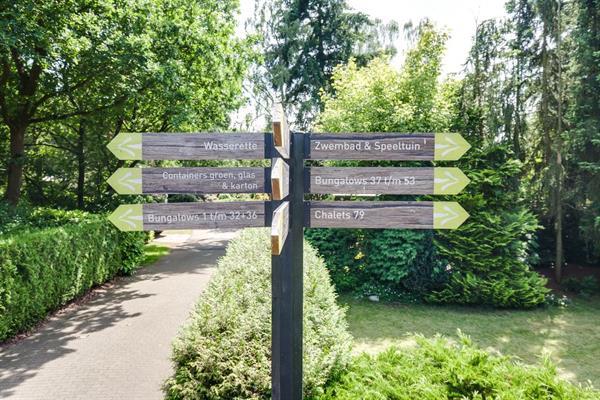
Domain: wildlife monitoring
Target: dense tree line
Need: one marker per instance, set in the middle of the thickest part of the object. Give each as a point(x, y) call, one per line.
point(74, 74)
point(533, 81)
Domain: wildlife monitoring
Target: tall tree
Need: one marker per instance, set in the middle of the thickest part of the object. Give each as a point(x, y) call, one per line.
point(302, 42)
point(73, 61)
point(585, 113)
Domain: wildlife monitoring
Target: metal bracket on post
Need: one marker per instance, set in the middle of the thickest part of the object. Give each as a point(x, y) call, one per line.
point(287, 238)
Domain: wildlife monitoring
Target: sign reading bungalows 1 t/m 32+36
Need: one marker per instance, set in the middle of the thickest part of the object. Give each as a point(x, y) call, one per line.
point(165, 216)
point(188, 146)
point(386, 146)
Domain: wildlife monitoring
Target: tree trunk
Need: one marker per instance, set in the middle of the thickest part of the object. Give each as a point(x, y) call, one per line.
point(15, 164)
point(559, 165)
point(80, 166)
point(559, 218)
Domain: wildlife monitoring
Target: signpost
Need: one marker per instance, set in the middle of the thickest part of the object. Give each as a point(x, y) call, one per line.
point(287, 213)
point(386, 146)
point(190, 180)
point(385, 214)
point(189, 146)
point(386, 180)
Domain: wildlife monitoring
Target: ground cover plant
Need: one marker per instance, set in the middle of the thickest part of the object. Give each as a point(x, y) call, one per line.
point(224, 350)
point(567, 336)
point(438, 369)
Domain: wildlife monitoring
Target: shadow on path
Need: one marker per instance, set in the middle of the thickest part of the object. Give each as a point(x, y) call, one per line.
point(131, 315)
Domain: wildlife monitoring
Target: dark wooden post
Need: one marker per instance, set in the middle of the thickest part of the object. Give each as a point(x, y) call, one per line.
point(287, 289)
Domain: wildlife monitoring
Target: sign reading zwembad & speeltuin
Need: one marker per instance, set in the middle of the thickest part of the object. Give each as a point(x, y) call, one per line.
point(287, 182)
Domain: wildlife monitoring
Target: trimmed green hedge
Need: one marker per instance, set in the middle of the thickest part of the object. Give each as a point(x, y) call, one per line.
point(224, 352)
point(41, 270)
point(440, 370)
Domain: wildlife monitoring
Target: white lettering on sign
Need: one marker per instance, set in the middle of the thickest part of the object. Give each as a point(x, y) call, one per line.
point(211, 176)
point(372, 180)
point(367, 145)
point(202, 217)
point(337, 214)
point(244, 146)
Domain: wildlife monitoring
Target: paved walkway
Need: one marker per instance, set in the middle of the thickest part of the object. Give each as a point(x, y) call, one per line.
point(117, 345)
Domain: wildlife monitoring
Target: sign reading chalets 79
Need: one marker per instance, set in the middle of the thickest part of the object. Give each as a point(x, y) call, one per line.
point(287, 213)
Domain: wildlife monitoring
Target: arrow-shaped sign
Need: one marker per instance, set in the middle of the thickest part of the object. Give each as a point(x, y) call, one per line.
point(129, 217)
point(126, 181)
point(449, 181)
point(189, 180)
point(450, 146)
point(188, 146)
point(127, 146)
point(448, 215)
point(384, 214)
point(164, 216)
point(385, 180)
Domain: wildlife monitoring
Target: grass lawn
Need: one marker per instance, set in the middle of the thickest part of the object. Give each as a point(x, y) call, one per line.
point(152, 252)
point(569, 336)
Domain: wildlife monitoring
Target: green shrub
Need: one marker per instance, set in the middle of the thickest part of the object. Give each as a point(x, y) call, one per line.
point(585, 286)
point(438, 370)
point(42, 269)
point(224, 352)
point(489, 256)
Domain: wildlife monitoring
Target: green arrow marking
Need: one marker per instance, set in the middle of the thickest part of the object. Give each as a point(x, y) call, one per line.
point(127, 146)
point(448, 215)
point(450, 146)
point(449, 181)
point(128, 217)
point(127, 181)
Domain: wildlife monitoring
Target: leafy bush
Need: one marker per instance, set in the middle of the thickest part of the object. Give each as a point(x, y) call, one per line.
point(42, 269)
point(438, 370)
point(23, 217)
point(585, 286)
point(489, 256)
point(487, 260)
point(224, 352)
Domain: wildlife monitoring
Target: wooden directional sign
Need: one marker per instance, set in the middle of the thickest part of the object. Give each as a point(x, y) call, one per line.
point(386, 146)
point(382, 180)
point(280, 179)
point(164, 216)
point(385, 214)
point(188, 180)
point(188, 146)
point(280, 226)
point(281, 131)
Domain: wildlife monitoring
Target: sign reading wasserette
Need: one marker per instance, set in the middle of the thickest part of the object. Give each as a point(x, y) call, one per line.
point(386, 146)
point(386, 180)
point(190, 180)
point(385, 214)
point(188, 146)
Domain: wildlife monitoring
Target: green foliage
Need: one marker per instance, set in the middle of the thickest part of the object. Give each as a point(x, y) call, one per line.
point(301, 44)
point(486, 260)
point(43, 269)
point(585, 286)
point(438, 369)
point(224, 350)
point(489, 256)
point(80, 72)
